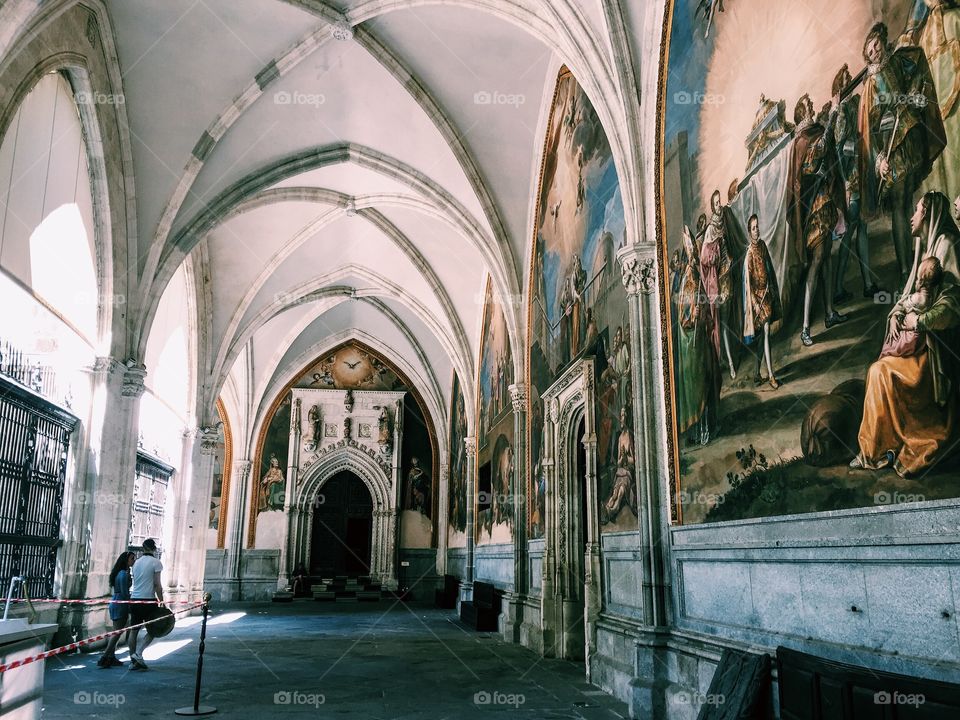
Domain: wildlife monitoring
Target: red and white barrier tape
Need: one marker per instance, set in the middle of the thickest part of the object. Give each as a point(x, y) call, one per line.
point(94, 601)
point(86, 641)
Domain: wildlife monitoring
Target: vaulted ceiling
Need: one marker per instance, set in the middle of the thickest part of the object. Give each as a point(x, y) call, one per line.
point(354, 169)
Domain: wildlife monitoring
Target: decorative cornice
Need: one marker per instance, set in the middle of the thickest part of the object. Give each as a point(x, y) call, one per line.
point(133, 378)
point(349, 443)
point(518, 396)
point(638, 268)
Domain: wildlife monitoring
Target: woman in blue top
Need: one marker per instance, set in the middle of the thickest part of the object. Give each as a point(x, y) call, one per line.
point(120, 582)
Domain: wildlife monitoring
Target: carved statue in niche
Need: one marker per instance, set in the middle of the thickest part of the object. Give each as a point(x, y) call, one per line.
point(316, 428)
point(383, 426)
point(272, 487)
point(348, 401)
point(346, 428)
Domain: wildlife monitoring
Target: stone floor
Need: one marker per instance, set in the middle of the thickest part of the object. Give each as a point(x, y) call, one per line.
point(310, 659)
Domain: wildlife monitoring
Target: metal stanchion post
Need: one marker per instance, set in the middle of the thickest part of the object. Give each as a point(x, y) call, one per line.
point(197, 708)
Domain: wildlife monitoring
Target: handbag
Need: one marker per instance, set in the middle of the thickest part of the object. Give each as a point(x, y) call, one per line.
point(159, 628)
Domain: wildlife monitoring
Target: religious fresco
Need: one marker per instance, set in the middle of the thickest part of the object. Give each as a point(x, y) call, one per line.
point(457, 510)
point(808, 237)
point(495, 462)
point(578, 306)
point(216, 492)
point(271, 478)
point(352, 366)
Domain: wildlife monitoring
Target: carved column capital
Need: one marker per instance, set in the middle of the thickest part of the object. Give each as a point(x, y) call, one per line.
point(471, 445)
point(638, 268)
point(133, 380)
point(518, 396)
point(243, 468)
point(209, 439)
point(106, 365)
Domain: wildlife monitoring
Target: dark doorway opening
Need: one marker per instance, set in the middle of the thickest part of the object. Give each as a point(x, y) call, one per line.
point(342, 528)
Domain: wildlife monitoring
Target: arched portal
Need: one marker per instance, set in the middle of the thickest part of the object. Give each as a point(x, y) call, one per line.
point(346, 457)
point(341, 536)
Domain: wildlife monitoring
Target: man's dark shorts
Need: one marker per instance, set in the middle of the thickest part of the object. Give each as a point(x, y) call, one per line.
point(142, 612)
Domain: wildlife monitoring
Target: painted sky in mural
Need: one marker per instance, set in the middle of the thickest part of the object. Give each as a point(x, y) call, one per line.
point(578, 305)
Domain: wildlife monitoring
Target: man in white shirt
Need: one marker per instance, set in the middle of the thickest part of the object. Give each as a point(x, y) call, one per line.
point(146, 586)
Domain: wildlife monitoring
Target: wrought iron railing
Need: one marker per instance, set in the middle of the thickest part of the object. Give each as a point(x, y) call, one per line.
point(28, 371)
point(34, 446)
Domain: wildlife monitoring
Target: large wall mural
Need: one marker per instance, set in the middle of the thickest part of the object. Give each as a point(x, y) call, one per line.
point(809, 164)
point(495, 441)
point(578, 306)
point(352, 366)
point(457, 510)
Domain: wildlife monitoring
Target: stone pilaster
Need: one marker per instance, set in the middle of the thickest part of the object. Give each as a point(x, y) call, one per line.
point(513, 605)
point(117, 389)
point(638, 267)
point(289, 496)
point(442, 518)
point(466, 586)
point(236, 528)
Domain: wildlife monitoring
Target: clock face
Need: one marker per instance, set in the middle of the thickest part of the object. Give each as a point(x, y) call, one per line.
point(352, 368)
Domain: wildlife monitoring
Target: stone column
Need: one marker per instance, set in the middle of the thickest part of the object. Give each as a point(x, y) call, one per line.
point(289, 497)
point(115, 419)
point(236, 523)
point(513, 610)
point(209, 440)
point(639, 279)
point(549, 611)
point(441, 520)
point(466, 586)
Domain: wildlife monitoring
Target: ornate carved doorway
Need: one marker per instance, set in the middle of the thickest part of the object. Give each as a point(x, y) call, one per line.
point(571, 578)
point(341, 539)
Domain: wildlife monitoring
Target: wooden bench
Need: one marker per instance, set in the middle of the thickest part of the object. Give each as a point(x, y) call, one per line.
point(812, 688)
point(483, 612)
point(446, 597)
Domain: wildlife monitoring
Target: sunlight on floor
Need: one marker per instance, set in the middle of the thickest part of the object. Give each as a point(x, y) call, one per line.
point(225, 618)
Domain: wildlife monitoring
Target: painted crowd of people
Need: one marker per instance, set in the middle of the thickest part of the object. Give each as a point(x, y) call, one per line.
point(883, 151)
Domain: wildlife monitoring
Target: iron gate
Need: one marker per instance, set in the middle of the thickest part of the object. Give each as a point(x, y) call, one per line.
point(34, 445)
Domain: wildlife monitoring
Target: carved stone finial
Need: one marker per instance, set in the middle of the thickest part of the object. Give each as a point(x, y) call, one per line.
point(518, 396)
